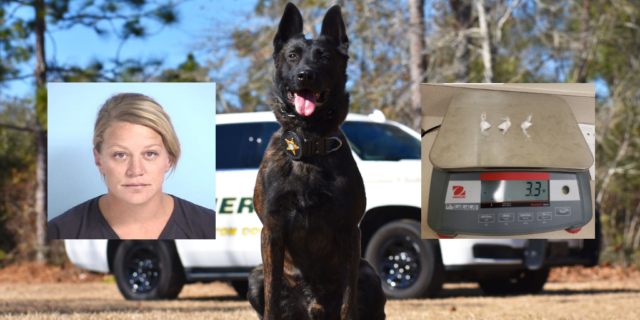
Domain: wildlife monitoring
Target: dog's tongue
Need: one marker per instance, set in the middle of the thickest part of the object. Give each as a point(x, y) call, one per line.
point(305, 102)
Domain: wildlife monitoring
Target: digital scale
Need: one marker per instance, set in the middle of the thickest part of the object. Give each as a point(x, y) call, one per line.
point(490, 182)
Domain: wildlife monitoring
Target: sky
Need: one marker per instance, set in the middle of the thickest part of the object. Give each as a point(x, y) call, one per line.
point(80, 45)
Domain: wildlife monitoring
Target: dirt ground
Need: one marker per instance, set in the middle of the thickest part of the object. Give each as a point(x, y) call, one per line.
point(574, 293)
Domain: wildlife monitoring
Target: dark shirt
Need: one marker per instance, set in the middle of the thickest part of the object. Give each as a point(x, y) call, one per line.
point(85, 221)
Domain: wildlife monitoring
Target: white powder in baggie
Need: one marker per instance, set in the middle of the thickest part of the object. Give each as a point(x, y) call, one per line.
point(484, 125)
point(527, 123)
point(505, 125)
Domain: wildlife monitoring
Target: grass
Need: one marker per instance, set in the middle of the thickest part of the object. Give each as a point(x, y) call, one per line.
point(110, 279)
point(102, 301)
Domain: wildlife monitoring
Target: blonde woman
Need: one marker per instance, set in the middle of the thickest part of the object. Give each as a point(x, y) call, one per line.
point(135, 145)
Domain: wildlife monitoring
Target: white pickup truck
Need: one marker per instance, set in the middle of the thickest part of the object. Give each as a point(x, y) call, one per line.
point(388, 156)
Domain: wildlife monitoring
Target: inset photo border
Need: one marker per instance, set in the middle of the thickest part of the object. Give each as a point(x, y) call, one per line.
point(436, 99)
point(73, 177)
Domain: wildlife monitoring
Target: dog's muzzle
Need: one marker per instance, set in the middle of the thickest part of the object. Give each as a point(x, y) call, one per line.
point(297, 149)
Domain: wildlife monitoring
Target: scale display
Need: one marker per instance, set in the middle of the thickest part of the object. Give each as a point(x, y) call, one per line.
point(514, 190)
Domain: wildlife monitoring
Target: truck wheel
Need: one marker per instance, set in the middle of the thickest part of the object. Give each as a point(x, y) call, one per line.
point(525, 282)
point(409, 266)
point(148, 270)
point(241, 287)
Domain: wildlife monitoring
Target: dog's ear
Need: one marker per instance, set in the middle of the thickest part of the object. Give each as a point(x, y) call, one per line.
point(333, 27)
point(290, 25)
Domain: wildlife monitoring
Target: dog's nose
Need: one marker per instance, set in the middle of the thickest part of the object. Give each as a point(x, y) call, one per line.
point(306, 75)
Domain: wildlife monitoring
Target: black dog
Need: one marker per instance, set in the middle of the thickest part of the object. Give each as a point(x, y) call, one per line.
point(309, 193)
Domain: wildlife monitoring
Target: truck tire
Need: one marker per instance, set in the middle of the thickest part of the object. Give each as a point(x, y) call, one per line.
point(525, 282)
point(409, 266)
point(148, 270)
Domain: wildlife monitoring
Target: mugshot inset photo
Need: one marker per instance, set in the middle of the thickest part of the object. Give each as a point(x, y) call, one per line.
point(131, 160)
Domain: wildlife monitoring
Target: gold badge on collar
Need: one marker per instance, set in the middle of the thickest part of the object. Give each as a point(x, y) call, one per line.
point(291, 146)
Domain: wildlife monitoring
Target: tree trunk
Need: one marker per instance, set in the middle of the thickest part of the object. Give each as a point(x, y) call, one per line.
point(462, 12)
point(486, 48)
point(417, 61)
point(40, 74)
point(580, 75)
point(631, 127)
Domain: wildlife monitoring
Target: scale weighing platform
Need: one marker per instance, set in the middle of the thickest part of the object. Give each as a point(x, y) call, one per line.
point(487, 182)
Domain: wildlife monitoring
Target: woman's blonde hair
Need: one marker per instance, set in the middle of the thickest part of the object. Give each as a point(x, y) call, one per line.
point(137, 109)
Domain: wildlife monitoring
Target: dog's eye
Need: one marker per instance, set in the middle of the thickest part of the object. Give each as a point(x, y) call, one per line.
point(292, 56)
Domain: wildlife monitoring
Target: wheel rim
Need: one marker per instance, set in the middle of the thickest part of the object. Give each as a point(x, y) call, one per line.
point(143, 268)
point(399, 264)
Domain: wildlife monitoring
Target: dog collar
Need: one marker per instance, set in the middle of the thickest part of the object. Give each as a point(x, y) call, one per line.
point(297, 149)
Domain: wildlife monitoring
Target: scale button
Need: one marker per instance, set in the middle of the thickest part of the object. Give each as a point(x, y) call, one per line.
point(525, 216)
point(506, 217)
point(563, 211)
point(544, 215)
point(485, 217)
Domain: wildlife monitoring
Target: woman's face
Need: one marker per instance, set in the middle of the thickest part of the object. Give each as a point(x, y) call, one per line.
point(134, 161)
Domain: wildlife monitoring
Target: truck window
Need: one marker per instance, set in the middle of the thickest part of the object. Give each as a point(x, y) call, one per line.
point(237, 145)
point(242, 145)
point(267, 131)
point(381, 142)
